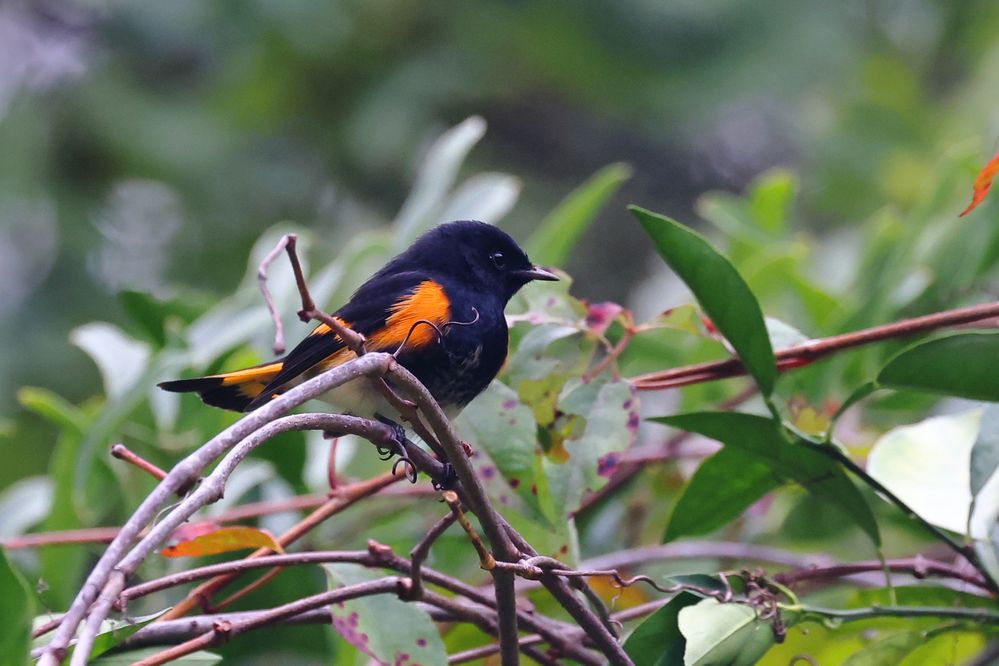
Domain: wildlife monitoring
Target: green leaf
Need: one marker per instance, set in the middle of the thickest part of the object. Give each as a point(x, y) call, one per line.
point(611, 423)
point(719, 491)
point(557, 234)
point(24, 504)
point(721, 291)
point(436, 176)
point(953, 365)
point(504, 428)
point(53, 408)
point(486, 197)
point(926, 465)
point(151, 314)
point(892, 648)
point(723, 634)
point(114, 632)
point(770, 198)
point(760, 438)
point(120, 358)
point(657, 641)
point(383, 626)
point(16, 609)
point(985, 451)
point(200, 658)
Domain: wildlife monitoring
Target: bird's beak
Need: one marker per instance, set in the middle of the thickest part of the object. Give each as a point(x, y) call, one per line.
point(537, 273)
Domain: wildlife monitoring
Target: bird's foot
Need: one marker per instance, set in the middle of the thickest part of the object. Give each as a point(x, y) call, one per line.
point(398, 447)
point(448, 478)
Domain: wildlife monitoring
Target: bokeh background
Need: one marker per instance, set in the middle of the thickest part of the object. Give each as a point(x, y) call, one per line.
point(147, 146)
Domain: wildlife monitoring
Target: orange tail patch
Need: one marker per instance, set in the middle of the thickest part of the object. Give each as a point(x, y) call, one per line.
point(230, 390)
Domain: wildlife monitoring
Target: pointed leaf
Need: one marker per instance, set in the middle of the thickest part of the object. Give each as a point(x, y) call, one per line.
point(120, 358)
point(223, 540)
point(760, 438)
point(657, 641)
point(721, 489)
point(952, 365)
point(982, 184)
point(927, 465)
point(16, 609)
point(985, 451)
point(557, 234)
point(720, 634)
point(721, 291)
point(436, 176)
point(383, 626)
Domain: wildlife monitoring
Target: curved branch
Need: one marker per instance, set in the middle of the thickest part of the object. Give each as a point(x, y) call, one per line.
point(803, 354)
point(210, 490)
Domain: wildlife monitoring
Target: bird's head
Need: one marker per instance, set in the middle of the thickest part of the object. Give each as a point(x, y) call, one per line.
point(477, 254)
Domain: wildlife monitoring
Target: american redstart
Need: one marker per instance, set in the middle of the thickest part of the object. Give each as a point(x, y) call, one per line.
point(458, 277)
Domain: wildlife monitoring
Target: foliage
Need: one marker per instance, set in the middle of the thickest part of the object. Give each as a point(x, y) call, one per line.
point(863, 230)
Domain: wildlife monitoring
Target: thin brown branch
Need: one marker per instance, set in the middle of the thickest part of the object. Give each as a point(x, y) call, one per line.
point(61, 538)
point(575, 633)
point(486, 560)
point(225, 630)
point(282, 244)
point(803, 354)
point(422, 549)
point(345, 496)
point(210, 490)
point(122, 452)
point(920, 567)
point(184, 472)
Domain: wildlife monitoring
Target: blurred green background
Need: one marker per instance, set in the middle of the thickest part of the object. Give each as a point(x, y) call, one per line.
point(148, 146)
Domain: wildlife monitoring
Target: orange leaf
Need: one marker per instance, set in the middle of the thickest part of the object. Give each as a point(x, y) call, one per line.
point(223, 540)
point(982, 184)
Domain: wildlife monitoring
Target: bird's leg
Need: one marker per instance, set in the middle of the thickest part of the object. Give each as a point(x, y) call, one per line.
point(400, 441)
point(448, 477)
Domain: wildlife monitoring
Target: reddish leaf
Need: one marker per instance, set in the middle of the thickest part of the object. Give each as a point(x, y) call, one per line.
point(222, 540)
point(599, 316)
point(188, 531)
point(982, 183)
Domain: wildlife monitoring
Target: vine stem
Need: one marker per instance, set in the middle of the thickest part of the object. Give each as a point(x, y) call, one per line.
point(983, 615)
point(803, 354)
point(964, 551)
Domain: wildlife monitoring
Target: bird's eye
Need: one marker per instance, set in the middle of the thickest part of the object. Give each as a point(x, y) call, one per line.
point(499, 261)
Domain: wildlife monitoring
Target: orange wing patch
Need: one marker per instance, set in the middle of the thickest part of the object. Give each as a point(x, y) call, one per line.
point(428, 301)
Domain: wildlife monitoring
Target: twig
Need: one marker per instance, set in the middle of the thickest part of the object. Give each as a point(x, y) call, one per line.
point(210, 490)
point(422, 549)
point(177, 631)
point(486, 560)
point(279, 346)
point(919, 567)
point(982, 615)
point(60, 538)
point(187, 470)
point(535, 639)
point(803, 354)
point(628, 469)
point(603, 639)
point(554, 633)
point(345, 497)
point(226, 629)
point(966, 552)
point(122, 452)
point(701, 550)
